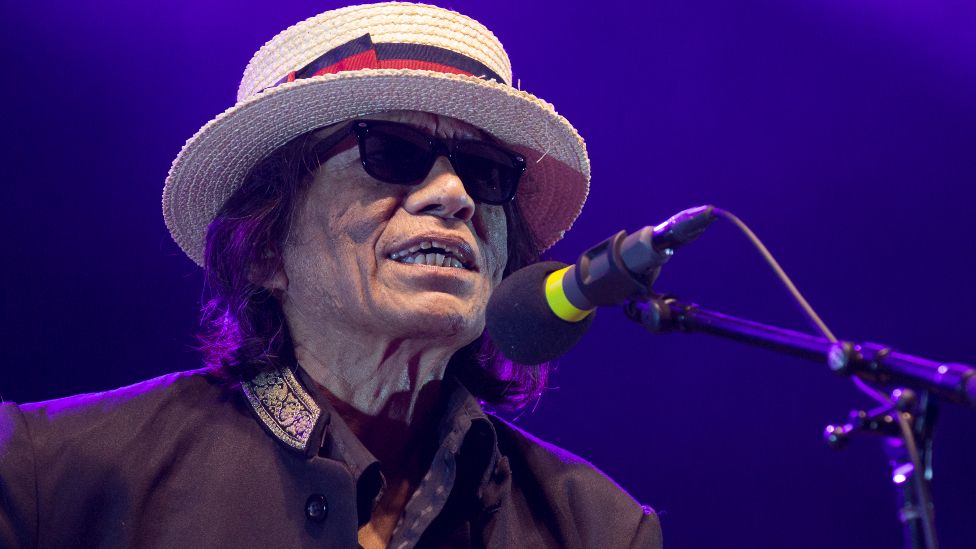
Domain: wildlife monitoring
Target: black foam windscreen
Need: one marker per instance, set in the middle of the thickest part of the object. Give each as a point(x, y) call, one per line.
point(521, 323)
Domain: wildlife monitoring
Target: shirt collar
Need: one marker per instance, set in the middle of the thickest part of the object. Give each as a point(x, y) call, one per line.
point(299, 416)
point(283, 406)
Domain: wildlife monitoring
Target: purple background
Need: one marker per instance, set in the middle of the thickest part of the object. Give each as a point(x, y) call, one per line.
point(842, 132)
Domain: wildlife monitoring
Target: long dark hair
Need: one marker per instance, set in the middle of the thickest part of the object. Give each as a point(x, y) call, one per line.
point(243, 329)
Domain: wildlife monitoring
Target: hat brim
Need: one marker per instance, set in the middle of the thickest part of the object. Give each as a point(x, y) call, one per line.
point(215, 161)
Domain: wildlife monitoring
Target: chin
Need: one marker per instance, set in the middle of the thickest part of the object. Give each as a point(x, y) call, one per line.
point(438, 324)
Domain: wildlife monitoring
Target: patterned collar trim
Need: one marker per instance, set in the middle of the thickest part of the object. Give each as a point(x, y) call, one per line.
point(283, 405)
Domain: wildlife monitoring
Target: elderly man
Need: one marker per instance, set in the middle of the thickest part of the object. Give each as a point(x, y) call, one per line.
point(353, 212)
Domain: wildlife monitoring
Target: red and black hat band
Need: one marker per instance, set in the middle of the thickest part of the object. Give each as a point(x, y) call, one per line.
point(362, 53)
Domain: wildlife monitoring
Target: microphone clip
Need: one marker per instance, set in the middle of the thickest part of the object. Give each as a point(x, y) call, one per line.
point(602, 277)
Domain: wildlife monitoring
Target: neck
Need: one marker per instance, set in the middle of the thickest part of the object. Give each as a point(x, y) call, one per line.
point(386, 389)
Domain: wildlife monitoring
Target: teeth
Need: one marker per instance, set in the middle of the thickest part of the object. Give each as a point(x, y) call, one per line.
point(447, 259)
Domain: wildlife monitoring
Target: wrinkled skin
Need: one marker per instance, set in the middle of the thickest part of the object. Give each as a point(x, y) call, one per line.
point(375, 333)
point(336, 265)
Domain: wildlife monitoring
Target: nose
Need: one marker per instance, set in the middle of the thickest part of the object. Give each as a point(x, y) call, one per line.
point(442, 194)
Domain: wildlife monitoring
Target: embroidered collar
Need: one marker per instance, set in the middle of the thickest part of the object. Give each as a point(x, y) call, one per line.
point(283, 405)
point(291, 414)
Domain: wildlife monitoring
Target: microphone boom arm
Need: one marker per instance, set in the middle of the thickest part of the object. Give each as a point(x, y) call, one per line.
point(869, 361)
point(911, 463)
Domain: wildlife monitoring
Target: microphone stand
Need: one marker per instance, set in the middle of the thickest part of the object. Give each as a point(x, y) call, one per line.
point(919, 379)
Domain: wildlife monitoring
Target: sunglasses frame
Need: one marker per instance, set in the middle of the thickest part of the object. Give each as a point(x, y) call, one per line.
point(438, 147)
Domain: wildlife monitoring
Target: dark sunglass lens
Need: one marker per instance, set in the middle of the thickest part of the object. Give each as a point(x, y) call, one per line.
point(395, 153)
point(489, 172)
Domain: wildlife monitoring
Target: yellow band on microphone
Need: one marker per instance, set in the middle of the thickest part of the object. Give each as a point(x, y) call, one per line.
point(558, 302)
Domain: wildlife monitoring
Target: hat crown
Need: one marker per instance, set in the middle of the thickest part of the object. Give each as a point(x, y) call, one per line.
point(389, 22)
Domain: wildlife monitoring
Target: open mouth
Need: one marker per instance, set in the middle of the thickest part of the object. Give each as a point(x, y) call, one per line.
point(434, 254)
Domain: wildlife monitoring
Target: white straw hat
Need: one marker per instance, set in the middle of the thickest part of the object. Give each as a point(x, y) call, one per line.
point(360, 60)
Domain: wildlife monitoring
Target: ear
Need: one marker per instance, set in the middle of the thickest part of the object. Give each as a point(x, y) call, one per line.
point(278, 283)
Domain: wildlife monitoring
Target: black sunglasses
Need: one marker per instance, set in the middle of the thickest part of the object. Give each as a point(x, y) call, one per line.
point(403, 155)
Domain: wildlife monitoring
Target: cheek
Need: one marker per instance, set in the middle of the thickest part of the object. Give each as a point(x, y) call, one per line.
point(360, 224)
point(329, 240)
point(346, 208)
point(491, 229)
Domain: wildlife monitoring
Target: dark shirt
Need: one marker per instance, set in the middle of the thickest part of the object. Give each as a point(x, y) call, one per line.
point(461, 415)
point(186, 461)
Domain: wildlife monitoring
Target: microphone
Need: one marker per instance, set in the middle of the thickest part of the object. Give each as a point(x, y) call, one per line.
point(541, 311)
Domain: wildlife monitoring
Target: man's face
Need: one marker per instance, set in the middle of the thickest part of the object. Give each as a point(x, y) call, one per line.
point(345, 259)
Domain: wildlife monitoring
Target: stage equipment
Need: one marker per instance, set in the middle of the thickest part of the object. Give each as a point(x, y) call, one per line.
point(531, 326)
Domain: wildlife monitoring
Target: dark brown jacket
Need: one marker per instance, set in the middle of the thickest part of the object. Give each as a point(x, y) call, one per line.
point(182, 461)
